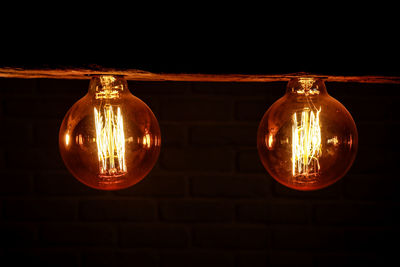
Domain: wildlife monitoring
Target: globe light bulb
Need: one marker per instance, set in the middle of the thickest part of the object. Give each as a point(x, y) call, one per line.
point(109, 139)
point(307, 140)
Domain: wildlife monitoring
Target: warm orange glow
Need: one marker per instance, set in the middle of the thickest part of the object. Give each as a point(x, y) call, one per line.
point(67, 137)
point(307, 140)
point(107, 89)
point(146, 140)
point(306, 87)
point(110, 141)
point(335, 141)
point(306, 144)
point(270, 140)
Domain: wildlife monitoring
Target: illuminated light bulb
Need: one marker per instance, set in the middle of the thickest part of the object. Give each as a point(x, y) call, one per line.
point(109, 139)
point(307, 140)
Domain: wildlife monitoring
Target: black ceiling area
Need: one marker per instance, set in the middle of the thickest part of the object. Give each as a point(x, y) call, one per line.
point(334, 52)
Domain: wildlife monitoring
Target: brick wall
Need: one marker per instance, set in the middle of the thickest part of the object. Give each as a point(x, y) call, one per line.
point(208, 201)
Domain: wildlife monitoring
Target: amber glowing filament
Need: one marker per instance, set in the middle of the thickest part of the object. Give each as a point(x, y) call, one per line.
point(306, 144)
point(110, 141)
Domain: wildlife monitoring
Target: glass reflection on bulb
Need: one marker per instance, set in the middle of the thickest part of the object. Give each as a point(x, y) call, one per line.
point(307, 140)
point(109, 139)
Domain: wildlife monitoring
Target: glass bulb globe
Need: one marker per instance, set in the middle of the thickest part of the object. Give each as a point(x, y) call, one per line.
point(109, 139)
point(307, 140)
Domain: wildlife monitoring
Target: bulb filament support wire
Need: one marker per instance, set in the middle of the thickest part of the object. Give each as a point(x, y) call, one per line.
point(110, 141)
point(306, 144)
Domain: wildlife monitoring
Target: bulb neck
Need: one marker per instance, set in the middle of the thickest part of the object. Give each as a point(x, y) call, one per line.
point(108, 86)
point(306, 86)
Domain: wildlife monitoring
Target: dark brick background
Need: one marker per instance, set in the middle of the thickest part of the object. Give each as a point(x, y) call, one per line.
point(208, 201)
